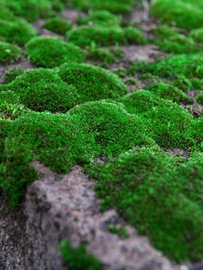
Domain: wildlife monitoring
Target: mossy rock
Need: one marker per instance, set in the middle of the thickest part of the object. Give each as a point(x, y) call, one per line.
point(185, 14)
point(78, 258)
point(121, 7)
point(91, 82)
point(11, 74)
point(50, 52)
point(197, 35)
point(114, 129)
point(18, 31)
point(139, 186)
point(41, 90)
point(50, 138)
point(170, 92)
point(100, 17)
point(105, 36)
point(9, 53)
point(57, 25)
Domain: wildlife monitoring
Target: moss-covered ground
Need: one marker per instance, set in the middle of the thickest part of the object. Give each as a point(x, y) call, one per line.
point(83, 100)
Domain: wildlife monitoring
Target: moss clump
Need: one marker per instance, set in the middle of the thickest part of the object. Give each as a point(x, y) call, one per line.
point(141, 101)
point(113, 128)
point(100, 57)
point(10, 75)
point(139, 186)
point(91, 82)
point(78, 258)
point(168, 125)
point(6, 13)
point(105, 36)
point(200, 99)
point(42, 89)
point(11, 110)
point(170, 92)
point(18, 31)
point(9, 53)
point(121, 231)
point(9, 97)
point(185, 14)
point(121, 7)
point(130, 81)
point(100, 17)
point(57, 25)
point(50, 138)
point(50, 52)
point(197, 35)
point(31, 10)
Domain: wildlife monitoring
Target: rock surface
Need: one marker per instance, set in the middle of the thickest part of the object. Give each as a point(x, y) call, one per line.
point(59, 207)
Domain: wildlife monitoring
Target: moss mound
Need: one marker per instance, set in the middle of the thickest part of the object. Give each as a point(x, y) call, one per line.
point(51, 139)
point(186, 14)
point(9, 53)
point(139, 186)
point(10, 75)
point(105, 36)
point(114, 129)
point(100, 17)
point(91, 82)
point(50, 52)
point(200, 99)
point(121, 7)
point(170, 92)
point(41, 90)
point(57, 25)
point(9, 97)
point(100, 57)
point(18, 31)
point(197, 35)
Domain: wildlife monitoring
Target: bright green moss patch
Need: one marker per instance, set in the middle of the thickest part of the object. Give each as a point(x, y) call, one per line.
point(9, 53)
point(140, 101)
point(121, 231)
point(100, 17)
point(185, 14)
point(41, 90)
point(105, 36)
point(18, 31)
point(197, 35)
point(100, 57)
point(92, 83)
point(10, 110)
point(10, 75)
point(170, 92)
point(139, 186)
point(57, 25)
point(113, 128)
point(199, 99)
point(9, 97)
point(78, 258)
point(121, 7)
point(50, 52)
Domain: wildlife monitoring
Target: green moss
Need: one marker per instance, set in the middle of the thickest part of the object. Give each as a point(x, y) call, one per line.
point(78, 258)
point(167, 91)
point(130, 81)
point(4, 128)
point(139, 186)
point(100, 57)
point(141, 101)
point(185, 14)
point(57, 25)
point(9, 53)
point(197, 35)
point(18, 31)
point(121, 7)
point(121, 231)
point(200, 99)
point(50, 52)
point(113, 128)
point(10, 110)
point(91, 82)
point(168, 125)
point(196, 134)
point(6, 13)
point(42, 89)
point(100, 17)
point(120, 72)
point(9, 97)
point(105, 36)
point(10, 75)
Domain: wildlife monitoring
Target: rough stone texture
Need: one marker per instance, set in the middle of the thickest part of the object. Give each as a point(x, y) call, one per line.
point(59, 207)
